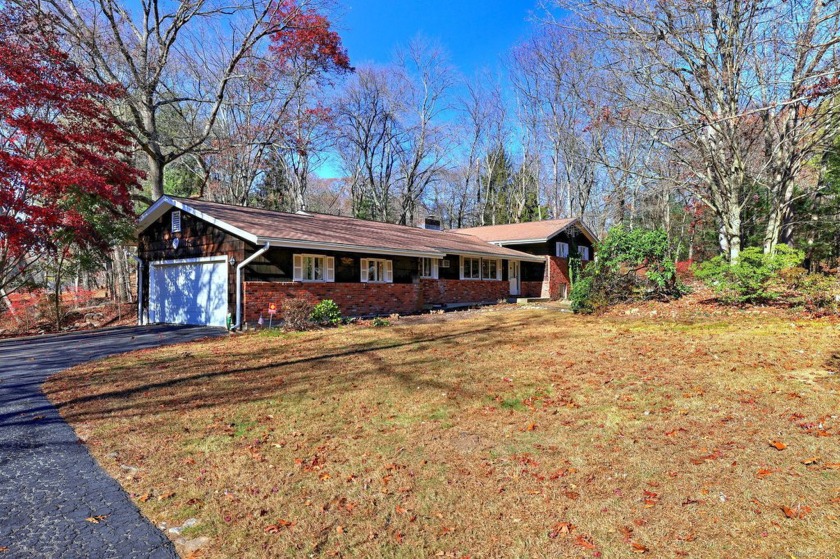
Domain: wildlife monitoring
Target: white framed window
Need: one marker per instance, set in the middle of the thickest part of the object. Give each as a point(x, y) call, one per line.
point(377, 270)
point(491, 269)
point(470, 268)
point(562, 250)
point(429, 268)
point(584, 253)
point(176, 221)
point(313, 267)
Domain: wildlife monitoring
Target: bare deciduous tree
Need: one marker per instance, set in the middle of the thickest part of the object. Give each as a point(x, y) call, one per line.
point(711, 80)
point(180, 56)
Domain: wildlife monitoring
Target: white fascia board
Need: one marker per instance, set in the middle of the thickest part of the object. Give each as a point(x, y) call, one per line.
point(520, 241)
point(593, 238)
point(165, 202)
point(341, 247)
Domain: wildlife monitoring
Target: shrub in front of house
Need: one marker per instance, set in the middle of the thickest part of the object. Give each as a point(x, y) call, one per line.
point(754, 278)
point(297, 313)
point(816, 292)
point(632, 265)
point(326, 313)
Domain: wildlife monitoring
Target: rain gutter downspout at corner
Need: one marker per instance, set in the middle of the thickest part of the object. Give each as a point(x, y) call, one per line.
point(239, 267)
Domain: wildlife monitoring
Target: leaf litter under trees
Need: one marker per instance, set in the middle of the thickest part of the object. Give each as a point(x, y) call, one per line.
point(414, 441)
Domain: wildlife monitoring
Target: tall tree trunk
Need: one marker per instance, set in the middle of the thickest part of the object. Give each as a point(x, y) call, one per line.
point(155, 174)
point(730, 235)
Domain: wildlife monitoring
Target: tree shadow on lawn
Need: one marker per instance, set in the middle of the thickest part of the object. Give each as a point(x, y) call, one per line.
point(318, 376)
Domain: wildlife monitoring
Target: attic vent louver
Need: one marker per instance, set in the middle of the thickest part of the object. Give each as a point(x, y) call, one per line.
point(176, 221)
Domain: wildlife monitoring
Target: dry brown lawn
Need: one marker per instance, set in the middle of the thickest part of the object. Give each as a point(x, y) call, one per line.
point(510, 433)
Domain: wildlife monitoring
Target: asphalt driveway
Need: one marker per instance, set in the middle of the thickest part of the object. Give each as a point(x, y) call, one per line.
point(49, 484)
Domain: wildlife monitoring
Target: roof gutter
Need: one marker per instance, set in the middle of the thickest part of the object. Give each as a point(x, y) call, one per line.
point(522, 256)
point(342, 247)
point(239, 267)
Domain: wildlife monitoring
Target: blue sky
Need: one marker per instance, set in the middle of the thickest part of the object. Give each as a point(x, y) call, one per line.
point(474, 32)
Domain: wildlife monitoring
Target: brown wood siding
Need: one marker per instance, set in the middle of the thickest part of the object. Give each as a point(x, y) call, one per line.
point(197, 239)
point(548, 248)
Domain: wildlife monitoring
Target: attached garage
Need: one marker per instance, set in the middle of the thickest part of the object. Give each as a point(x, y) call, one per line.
point(189, 291)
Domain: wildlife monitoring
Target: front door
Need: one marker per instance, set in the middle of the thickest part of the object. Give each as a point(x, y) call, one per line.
point(513, 276)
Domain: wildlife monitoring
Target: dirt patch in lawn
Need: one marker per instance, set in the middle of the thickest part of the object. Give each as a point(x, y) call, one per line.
point(528, 433)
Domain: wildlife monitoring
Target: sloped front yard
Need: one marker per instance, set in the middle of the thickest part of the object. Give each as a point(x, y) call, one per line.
point(521, 433)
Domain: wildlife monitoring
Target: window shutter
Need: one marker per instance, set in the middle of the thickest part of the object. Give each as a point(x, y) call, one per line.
point(364, 266)
point(462, 267)
point(297, 272)
point(498, 269)
point(330, 276)
point(434, 268)
point(389, 271)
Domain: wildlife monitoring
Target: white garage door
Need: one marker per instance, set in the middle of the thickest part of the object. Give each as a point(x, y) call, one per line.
point(189, 291)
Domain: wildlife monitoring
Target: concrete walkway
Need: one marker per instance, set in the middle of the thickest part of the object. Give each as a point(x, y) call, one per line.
point(49, 484)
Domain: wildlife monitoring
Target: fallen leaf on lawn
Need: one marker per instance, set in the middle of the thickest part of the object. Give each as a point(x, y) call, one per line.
point(690, 537)
point(398, 537)
point(166, 496)
point(778, 445)
point(275, 528)
point(96, 519)
point(651, 499)
point(144, 497)
point(339, 529)
point(762, 473)
point(626, 533)
point(573, 495)
point(401, 510)
point(561, 529)
point(799, 511)
point(531, 426)
point(638, 548)
point(810, 461)
point(584, 542)
point(834, 466)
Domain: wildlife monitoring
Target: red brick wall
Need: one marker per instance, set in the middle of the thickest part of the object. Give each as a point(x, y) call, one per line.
point(557, 271)
point(530, 288)
point(356, 299)
point(439, 292)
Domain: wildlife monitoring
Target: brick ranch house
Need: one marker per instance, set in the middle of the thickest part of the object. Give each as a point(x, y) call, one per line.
point(554, 240)
point(202, 262)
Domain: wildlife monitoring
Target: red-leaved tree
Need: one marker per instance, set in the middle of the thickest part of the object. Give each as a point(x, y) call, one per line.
point(63, 162)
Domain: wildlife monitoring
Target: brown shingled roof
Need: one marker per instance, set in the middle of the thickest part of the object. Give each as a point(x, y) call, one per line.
point(330, 231)
point(519, 232)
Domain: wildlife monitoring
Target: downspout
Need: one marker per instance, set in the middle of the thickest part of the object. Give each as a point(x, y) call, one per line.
point(140, 267)
point(239, 267)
